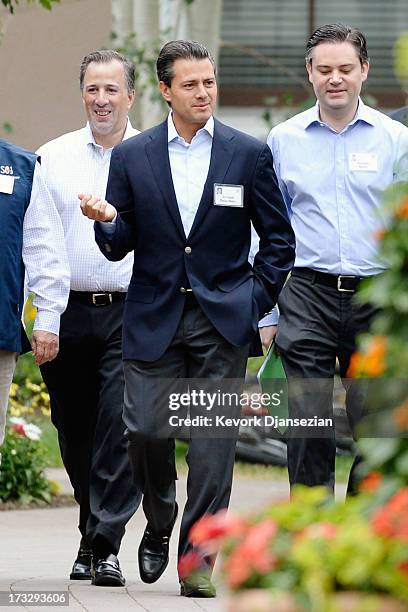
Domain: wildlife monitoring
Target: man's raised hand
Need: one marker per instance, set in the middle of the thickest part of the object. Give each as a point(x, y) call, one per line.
point(97, 209)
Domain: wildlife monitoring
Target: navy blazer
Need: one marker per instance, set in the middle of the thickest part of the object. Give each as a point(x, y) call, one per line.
point(232, 294)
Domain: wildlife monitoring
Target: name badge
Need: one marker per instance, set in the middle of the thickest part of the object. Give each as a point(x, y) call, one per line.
point(6, 183)
point(229, 195)
point(363, 162)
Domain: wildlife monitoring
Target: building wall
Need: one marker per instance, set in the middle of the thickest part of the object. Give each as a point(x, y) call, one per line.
point(263, 42)
point(40, 55)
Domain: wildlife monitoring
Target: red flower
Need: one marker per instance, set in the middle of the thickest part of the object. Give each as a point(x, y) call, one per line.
point(392, 519)
point(371, 482)
point(237, 568)
point(18, 428)
point(212, 528)
point(188, 563)
point(252, 554)
point(404, 568)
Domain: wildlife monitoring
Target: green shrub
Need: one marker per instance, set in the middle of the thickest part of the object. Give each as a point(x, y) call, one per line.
point(23, 462)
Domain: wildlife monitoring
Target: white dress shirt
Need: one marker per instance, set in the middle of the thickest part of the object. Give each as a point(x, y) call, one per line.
point(44, 256)
point(74, 163)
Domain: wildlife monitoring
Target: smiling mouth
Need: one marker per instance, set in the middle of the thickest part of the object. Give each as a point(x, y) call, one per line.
point(102, 113)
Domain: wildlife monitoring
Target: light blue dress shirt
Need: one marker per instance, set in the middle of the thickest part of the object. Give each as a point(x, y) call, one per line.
point(189, 163)
point(332, 183)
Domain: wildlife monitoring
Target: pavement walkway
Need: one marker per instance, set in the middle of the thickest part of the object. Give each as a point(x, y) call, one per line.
point(37, 548)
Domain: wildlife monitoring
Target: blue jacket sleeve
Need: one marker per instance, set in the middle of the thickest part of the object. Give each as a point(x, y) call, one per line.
point(115, 245)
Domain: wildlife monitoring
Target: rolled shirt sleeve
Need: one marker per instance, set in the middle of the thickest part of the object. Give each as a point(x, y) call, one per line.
point(44, 257)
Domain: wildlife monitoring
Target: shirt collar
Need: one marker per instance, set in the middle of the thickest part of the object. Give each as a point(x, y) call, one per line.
point(172, 133)
point(363, 113)
point(89, 137)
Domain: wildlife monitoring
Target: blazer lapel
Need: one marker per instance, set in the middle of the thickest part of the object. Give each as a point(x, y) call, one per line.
point(222, 152)
point(158, 156)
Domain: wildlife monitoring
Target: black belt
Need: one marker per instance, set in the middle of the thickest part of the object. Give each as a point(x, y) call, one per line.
point(97, 299)
point(342, 282)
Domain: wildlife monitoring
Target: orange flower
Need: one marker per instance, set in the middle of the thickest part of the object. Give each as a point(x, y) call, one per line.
point(400, 416)
point(371, 482)
point(402, 211)
point(371, 363)
point(379, 234)
point(212, 528)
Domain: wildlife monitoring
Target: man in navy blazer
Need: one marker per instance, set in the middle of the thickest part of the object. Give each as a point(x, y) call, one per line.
point(184, 195)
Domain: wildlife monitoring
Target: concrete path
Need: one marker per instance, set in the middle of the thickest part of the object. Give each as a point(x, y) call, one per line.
point(37, 548)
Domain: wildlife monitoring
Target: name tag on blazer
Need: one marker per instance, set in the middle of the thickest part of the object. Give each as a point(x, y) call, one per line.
point(229, 195)
point(363, 162)
point(6, 183)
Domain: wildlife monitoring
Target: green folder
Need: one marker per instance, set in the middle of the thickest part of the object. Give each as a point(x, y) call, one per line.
point(272, 379)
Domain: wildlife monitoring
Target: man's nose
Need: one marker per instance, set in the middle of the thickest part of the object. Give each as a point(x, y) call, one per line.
point(201, 91)
point(101, 98)
point(335, 77)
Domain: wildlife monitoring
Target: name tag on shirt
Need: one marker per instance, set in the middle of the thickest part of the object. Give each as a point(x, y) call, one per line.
point(363, 162)
point(229, 195)
point(6, 183)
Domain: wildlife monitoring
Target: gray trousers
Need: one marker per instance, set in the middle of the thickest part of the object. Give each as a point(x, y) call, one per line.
point(197, 351)
point(7, 365)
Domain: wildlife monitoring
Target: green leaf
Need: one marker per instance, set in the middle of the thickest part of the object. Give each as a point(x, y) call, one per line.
point(377, 452)
point(402, 464)
point(7, 127)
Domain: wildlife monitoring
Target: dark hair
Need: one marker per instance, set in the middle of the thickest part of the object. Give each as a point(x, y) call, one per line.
point(179, 49)
point(104, 57)
point(338, 33)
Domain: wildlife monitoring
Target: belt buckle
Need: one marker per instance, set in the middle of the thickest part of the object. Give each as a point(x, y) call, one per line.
point(340, 288)
point(96, 295)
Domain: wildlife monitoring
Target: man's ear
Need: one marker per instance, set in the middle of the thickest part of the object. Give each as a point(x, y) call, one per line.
point(309, 70)
point(131, 98)
point(165, 91)
point(364, 70)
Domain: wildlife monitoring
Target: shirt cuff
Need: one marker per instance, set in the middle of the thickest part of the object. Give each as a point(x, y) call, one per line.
point(108, 227)
point(271, 318)
point(47, 321)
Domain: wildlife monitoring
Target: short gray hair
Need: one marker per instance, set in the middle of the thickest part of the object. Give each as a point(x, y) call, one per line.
point(104, 57)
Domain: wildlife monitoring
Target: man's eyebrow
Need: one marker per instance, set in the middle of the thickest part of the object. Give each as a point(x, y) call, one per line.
point(329, 66)
point(101, 84)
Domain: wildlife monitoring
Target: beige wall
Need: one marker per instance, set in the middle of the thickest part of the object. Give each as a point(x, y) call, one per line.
point(40, 56)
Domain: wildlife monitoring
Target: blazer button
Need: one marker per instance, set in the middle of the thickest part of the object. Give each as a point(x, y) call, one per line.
point(108, 247)
point(183, 290)
point(187, 250)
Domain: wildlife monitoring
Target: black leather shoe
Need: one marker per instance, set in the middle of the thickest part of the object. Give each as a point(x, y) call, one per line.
point(199, 586)
point(107, 572)
point(154, 552)
point(81, 570)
